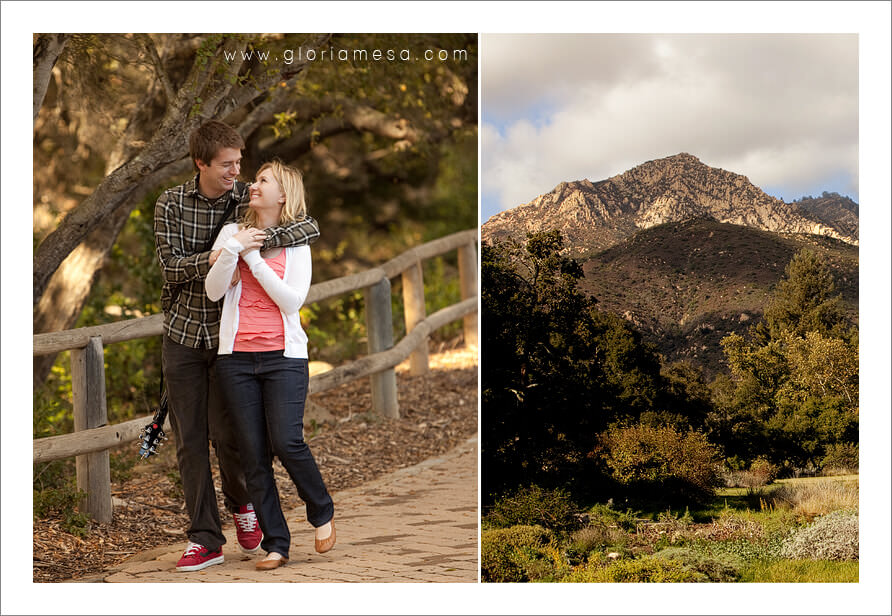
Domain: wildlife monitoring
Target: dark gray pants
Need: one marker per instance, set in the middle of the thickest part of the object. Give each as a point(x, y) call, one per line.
point(197, 415)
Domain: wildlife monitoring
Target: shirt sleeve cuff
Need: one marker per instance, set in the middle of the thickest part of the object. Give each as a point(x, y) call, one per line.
point(233, 246)
point(252, 258)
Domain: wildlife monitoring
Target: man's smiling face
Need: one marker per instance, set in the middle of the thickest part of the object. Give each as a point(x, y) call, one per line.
point(218, 176)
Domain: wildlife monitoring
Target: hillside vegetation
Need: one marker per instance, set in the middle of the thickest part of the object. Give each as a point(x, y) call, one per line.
point(687, 285)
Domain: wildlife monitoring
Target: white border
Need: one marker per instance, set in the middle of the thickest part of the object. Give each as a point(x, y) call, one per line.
point(869, 19)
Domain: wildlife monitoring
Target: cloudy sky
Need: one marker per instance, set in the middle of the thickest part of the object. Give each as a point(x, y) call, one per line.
point(781, 109)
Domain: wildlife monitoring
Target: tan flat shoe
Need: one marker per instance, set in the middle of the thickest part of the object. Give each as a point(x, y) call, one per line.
point(324, 545)
point(273, 560)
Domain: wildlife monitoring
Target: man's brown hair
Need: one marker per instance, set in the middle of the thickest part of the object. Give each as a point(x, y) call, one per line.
point(209, 138)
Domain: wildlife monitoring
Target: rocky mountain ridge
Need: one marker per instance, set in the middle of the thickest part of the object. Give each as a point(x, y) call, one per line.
point(595, 216)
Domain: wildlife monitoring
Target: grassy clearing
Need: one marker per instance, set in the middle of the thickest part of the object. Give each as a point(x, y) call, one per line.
point(805, 571)
point(745, 535)
point(817, 496)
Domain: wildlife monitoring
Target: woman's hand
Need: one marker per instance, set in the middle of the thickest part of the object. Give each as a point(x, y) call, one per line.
point(250, 238)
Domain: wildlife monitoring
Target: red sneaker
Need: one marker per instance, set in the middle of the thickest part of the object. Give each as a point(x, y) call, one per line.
point(198, 557)
point(247, 530)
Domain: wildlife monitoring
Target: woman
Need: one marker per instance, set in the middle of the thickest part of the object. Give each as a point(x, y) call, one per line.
point(262, 361)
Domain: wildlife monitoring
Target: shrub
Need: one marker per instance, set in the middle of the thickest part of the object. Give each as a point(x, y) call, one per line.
point(533, 506)
point(830, 537)
point(62, 502)
point(674, 465)
point(514, 554)
point(717, 567)
point(841, 458)
point(645, 569)
point(761, 472)
point(591, 539)
point(746, 550)
point(764, 471)
point(605, 515)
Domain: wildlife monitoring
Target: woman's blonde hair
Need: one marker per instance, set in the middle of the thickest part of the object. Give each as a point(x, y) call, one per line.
point(291, 180)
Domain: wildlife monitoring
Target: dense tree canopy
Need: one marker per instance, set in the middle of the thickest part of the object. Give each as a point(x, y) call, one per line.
point(387, 144)
point(556, 371)
point(794, 394)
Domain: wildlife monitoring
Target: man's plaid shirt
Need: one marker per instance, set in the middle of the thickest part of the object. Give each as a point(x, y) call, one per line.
point(184, 221)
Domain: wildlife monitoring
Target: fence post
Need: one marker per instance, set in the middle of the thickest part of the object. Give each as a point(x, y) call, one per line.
point(413, 301)
point(467, 274)
point(88, 397)
point(379, 320)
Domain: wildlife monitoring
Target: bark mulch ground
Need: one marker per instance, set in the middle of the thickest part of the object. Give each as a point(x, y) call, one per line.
point(351, 445)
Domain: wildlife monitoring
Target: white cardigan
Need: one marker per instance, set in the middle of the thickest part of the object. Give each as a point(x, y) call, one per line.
point(288, 292)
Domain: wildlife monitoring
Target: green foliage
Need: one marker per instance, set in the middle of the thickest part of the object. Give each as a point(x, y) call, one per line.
point(804, 431)
point(128, 287)
point(336, 328)
point(747, 550)
point(805, 300)
point(831, 537)
point(718, 568)
point(841, 456)
point(685, 393)
point(795, 389)
point(606, 515)
point(535, 506)
point(676, 465)
point(588, 542)
point(63, 502)
point(822, 367)
point(52, 411)
point(121, 464)
point(514, 554)
point(644, 569)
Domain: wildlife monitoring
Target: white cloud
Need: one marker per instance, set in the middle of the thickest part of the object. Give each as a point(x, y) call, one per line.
point(781, 109)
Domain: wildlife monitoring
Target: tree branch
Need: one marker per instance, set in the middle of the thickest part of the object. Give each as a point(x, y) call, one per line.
point(346, 116)
point(158, 66)
point(241, 96)
point(47, 49)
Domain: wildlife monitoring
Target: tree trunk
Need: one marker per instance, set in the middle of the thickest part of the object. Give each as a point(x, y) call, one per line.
point(47, 49)
point(206, 94)
point(69, 287)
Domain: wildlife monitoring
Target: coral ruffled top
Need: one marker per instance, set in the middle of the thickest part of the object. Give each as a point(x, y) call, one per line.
point(260, 326)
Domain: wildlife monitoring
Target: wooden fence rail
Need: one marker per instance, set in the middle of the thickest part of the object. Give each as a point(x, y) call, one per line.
point(92, 438)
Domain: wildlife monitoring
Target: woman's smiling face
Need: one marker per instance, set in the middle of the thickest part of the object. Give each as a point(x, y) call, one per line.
point(266, 193)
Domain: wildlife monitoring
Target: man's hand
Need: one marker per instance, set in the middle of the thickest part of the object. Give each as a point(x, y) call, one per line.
point(214, 256)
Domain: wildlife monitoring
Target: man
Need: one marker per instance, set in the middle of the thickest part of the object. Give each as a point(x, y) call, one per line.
point(186, 218)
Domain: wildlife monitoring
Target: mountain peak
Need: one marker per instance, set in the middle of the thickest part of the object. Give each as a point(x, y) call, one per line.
point(681, 157)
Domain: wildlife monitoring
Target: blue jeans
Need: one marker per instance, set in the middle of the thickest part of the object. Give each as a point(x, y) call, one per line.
point(266, 392)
